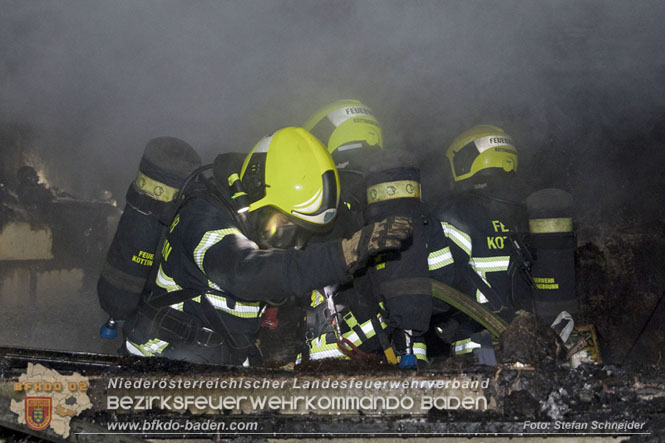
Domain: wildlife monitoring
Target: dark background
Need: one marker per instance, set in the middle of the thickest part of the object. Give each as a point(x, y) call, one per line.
point(578, 84)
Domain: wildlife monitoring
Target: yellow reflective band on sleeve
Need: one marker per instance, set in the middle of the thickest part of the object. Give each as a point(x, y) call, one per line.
point(392, 190)
point(490, 264)
point(439, 259)
point(154, 189)
point(461, 239)
point(242, 310)
point(209, 240)
point(550, 225)
point(483, 265)
point(148, 349)
point(464, 346)
point(165, 282)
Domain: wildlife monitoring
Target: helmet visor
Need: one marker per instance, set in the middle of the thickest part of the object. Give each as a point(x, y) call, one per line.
point(278, 230)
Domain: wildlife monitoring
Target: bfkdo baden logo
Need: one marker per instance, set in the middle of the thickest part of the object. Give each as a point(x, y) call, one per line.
point(38, 412)
point(51, 399)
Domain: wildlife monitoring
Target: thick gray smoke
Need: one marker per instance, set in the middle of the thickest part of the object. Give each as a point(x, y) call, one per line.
point(578, 84)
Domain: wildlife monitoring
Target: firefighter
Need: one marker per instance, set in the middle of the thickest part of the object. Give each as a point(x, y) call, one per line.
point(219, 263)
point(374, 314)
point(477, 249)
point(354, 138)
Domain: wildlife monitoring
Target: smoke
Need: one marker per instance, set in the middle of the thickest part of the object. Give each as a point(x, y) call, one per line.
point(577, 84)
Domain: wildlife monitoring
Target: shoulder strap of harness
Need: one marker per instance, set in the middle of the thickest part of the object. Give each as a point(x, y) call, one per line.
point(487, 290)
point(167, 322)
point(172, 325)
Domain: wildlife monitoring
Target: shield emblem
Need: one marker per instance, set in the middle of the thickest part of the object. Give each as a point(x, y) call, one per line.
point(38, 412)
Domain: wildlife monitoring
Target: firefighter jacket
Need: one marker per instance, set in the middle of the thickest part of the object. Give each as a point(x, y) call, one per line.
point(206, 253)
point(474, 251)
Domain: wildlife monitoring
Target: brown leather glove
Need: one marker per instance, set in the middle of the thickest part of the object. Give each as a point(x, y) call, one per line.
point(382, 236)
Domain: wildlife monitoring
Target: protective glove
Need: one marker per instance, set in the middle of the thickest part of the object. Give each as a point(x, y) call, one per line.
point(382, 236)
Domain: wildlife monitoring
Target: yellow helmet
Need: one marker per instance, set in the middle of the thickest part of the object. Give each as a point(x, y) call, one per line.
point(292, 172)
point(481, 148)
point(345, 125)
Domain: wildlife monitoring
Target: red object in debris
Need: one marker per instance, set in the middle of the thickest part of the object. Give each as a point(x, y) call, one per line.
point(270, 319)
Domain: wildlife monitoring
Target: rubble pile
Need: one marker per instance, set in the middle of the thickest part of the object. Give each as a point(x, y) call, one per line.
point(620, 282)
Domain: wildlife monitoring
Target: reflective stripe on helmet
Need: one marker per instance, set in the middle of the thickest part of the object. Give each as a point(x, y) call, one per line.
point(345, 125)
point(350, 146)
point(493, 141)
point(340, 115)
point(322, 207)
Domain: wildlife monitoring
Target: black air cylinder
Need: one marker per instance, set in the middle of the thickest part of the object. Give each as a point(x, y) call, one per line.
point(166, 163)
point(553, 240)
point(393, 188)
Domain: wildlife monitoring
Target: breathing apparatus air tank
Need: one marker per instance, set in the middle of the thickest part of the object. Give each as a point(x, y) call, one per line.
point(166, 163)
point(401, 279)
point(553, 241)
